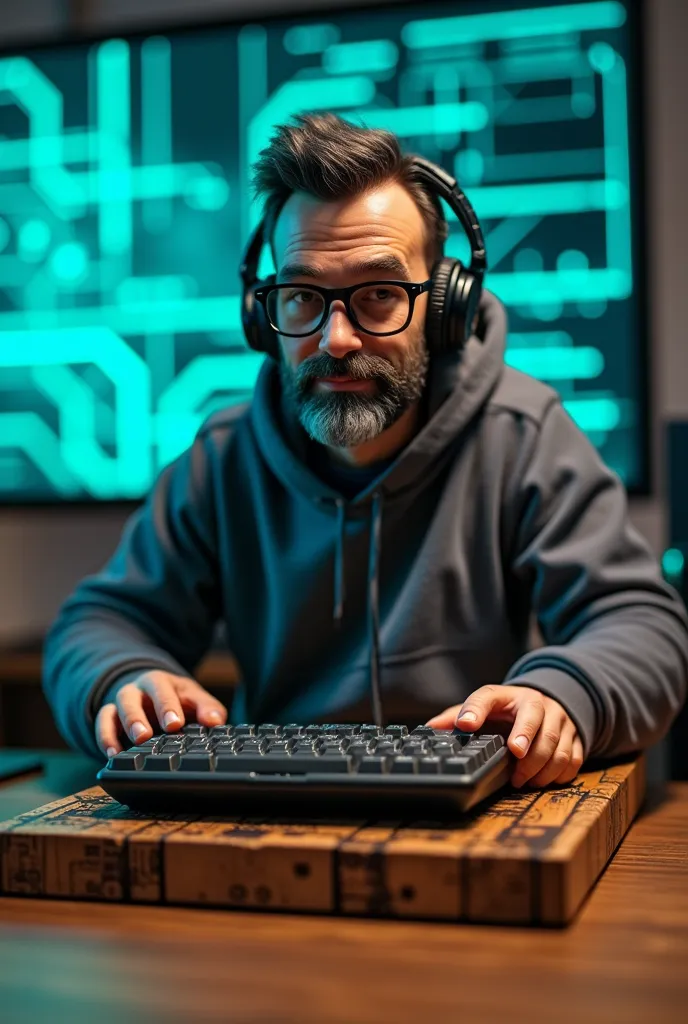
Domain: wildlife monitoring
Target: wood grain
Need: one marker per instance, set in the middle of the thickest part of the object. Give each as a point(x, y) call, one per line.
point(525, 857)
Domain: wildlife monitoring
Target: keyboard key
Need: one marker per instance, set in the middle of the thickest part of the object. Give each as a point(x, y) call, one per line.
point(396, 731)
point(429, 765)
point(292, 730)
point(161, 762)
point(244, 730)
point(404, 765)
point(423, 730)
point(197, 762)
point(373, 765)
point(194, 729)
point(269, 730)
point(221, 730)
point(456, 766)
point(126, 761)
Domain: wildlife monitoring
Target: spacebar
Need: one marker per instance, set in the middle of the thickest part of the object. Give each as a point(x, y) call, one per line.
point(281, 764)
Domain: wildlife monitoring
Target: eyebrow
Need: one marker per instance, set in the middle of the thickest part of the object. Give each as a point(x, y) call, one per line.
point(388, 264)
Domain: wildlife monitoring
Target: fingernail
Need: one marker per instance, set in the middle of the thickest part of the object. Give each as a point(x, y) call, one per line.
point(137, 729)
point(214, 716)
point(111, 751)
point(467, 716)
point(170, 718)
point(521, 742)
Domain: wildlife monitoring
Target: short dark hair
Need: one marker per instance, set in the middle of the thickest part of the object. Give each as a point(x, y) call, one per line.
point(330, 158)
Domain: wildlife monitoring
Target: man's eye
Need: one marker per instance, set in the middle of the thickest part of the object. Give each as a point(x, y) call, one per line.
point(300, 297)
point(378, 295)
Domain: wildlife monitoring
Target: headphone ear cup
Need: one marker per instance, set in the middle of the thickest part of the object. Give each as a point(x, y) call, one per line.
point(259, 334)
point(452, 305)
point(437, 305)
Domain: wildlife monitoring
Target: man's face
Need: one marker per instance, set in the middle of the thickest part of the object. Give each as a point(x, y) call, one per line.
point(372, 237)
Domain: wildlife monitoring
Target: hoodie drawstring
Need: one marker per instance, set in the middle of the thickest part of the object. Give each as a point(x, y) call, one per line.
point(374, 606)
point(339, 563)
point(373, 592)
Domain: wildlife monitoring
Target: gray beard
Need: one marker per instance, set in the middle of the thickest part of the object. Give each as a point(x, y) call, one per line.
point(344, 419)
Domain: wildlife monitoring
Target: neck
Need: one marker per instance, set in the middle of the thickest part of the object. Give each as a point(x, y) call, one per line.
point(384, 446)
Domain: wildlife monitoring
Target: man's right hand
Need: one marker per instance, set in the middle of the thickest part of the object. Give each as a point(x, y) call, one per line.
point(154, 702)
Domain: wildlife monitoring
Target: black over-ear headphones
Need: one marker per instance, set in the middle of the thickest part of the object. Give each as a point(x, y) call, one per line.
point(454, 296)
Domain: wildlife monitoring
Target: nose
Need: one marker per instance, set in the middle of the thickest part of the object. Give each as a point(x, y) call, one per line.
point(338, 333)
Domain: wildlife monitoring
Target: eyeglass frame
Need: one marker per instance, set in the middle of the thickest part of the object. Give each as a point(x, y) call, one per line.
point(412, 289)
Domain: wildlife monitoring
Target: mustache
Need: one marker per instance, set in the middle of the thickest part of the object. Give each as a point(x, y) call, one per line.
point(356, 365)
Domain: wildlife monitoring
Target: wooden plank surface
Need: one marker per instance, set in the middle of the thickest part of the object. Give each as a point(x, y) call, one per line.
point(622, 959)
point(526, 857)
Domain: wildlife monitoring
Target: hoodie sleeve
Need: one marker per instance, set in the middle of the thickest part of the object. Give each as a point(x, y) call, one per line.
point(153, 605)
point(616, 635)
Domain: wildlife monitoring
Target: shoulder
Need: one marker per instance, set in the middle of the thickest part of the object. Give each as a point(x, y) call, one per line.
point(520, 397)
point(223, 423)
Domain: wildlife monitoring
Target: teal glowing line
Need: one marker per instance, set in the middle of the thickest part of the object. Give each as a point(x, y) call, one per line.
point(125, 369)
point(673, 563)
point(152, 317)
point(435, 119)
point(28, 432)
point(304, 39)
point(545, 286)
point(42, 102)
point(594, 413)
point(584, 363)
point(177, 419)
point(535, 111)
point(252, 58)
point(616, 156)
point(551, 197)
point(297, 97)
point(156, 123)
point(77, 409)
point(504, 238)
point(369, 56)
point(16, 154)
point(117, 185)
point(116, 224)
point(540, 21)
point(539, 339)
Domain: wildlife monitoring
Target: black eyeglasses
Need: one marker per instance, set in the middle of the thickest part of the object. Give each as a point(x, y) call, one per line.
point(376, 307)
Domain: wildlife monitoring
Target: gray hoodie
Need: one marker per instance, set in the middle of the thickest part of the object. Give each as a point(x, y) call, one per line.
point(498, 508)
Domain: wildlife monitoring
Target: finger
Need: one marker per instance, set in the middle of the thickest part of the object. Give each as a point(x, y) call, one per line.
point(161, 687)
point(574, 766)
point(478, 705)
point(560, 759)
point(207, 709)
point(107, 731)
point(530, 715)
point(131, 713)
point(446, 719)
point(542, 746)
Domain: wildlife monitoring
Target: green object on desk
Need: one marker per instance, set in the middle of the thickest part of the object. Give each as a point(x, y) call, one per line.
point(14, 763)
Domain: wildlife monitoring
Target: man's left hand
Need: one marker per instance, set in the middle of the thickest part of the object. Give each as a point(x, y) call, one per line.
point(543, 737)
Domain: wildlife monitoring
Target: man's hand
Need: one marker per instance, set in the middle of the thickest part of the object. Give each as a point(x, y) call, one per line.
point(162, 696)
point(543, 736)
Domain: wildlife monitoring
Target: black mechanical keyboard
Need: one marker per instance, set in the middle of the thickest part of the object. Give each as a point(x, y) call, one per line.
point(322, 769)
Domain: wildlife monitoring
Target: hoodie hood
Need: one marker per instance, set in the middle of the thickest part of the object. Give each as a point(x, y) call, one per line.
point(459, 385)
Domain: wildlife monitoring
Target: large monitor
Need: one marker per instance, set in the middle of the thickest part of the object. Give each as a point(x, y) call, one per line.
point(124, 206)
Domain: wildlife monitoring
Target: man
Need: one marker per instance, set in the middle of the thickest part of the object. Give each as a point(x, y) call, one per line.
point(462, 483)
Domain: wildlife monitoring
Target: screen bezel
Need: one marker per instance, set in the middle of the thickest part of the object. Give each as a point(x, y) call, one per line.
point(639, 163)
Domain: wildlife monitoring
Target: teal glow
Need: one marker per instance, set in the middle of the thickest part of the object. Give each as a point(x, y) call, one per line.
point(5, 234)
point(357, 58)
point(572, 259)
point(594, 413)
point(207, 193)
point(602, 57)
point(114, 195)
point(540, 21)
point(70, 262)
point(34, 239)
point(553, 363)
point(156, 124)
point(303, 39)
point(469, 167)
point(435, 119)
point(673, 563)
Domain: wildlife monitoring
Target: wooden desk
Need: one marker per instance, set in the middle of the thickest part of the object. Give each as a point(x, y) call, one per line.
point(624, 958)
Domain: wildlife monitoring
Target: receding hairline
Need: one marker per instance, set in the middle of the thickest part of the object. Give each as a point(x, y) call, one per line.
point(274, 217)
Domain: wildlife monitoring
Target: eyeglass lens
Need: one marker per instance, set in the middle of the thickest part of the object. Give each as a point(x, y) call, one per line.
point(377, 308)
